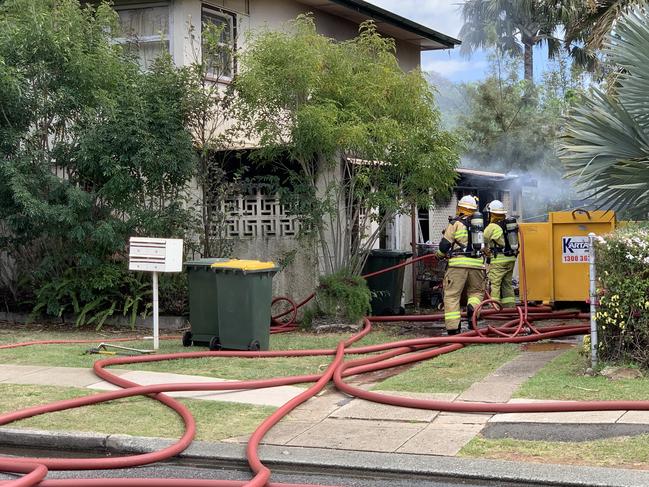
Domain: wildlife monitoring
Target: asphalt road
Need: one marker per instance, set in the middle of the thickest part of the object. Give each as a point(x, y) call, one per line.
point(188, 471)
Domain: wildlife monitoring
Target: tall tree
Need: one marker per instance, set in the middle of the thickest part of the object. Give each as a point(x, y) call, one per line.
point(586, 25)
point(510, 127)
point(589, 23)
point(514, 27)
point(606, 144)
point(364, 135)
point(208, 123)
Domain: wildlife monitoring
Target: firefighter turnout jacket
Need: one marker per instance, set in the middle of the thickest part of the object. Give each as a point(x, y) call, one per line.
point(459, 252)
point(494, 238)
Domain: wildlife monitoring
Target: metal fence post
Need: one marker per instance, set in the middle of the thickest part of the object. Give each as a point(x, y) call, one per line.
point(593, 300)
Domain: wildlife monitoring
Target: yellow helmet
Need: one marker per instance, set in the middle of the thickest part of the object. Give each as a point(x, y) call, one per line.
point(468, 203)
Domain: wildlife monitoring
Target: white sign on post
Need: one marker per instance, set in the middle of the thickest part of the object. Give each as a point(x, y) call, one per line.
point(155, 255)
point(575, 250)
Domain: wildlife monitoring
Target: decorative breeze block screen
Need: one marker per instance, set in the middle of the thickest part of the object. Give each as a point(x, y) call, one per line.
point(258, 215)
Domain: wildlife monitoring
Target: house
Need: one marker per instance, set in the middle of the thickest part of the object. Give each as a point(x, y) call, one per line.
point(175, 25)
point(257, 222)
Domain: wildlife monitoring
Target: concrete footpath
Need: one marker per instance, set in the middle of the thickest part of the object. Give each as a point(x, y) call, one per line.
point(327, 427)
point(333, 420)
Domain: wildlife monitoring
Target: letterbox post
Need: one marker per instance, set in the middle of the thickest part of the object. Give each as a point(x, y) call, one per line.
point(155, 255)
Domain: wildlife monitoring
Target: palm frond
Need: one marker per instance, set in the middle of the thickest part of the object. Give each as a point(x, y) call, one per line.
point(606, 144)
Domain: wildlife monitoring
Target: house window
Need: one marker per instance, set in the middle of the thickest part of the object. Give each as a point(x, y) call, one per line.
point(218, 50)
point(144, 30)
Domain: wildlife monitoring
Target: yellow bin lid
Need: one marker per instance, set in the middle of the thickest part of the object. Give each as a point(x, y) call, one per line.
point(245, 265)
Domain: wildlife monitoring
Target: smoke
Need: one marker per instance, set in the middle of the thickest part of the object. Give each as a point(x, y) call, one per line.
point(543, 193)
point(544, 188)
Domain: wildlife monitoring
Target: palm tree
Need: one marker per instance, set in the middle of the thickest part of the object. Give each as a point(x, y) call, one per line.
point(589, 23)
point(606, 144)
point(512, 26)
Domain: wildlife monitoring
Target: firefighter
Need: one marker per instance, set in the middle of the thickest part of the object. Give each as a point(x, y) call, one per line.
point(503, 256)
point(462, 245)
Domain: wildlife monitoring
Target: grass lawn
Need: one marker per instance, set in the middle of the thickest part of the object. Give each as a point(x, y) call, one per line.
point(226, 368)
point(454, 372)
point(629, 452)
point(138, 416)
point(563, 379)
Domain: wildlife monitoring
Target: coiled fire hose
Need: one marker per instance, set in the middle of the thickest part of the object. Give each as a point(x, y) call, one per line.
point(519, 327)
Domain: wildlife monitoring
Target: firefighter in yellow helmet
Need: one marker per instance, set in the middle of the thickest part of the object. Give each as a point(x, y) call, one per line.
point(462, 245)
point(503, 256)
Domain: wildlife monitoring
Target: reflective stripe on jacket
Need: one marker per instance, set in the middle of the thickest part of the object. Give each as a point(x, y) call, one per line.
point(494, 237)
point(458, 234)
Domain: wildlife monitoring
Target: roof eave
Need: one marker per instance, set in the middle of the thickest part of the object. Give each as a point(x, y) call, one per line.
point(383, 15)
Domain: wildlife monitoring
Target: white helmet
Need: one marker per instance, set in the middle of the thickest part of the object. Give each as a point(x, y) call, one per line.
point(496, 207)
point(468, 202)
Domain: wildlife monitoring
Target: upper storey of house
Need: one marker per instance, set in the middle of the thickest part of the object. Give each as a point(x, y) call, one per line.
point(176, 25)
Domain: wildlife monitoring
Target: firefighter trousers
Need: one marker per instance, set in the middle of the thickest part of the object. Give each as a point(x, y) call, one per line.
point(502, 290)
point(456, 280)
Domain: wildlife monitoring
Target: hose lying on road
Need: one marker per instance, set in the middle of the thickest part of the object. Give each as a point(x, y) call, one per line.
point(519, 327)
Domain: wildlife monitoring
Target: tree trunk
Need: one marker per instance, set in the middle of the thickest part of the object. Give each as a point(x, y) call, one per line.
point(528, 61)
point(207, 221)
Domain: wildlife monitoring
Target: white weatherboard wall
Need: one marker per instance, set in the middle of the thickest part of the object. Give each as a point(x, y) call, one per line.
point(272, 14)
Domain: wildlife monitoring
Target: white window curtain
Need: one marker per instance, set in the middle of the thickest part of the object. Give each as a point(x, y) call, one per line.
point(145, 30)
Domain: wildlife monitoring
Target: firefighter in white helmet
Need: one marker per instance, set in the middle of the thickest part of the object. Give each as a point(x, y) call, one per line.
point(503, 256)
point(462, 245)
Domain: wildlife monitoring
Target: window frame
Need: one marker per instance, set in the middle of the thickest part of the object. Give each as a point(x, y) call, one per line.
point(232, 18)
point(149, 39)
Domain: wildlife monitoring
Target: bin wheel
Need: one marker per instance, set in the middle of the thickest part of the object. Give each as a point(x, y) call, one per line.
point(215, 344)
point(254, 346)
point(187, 339)
point(402, 311)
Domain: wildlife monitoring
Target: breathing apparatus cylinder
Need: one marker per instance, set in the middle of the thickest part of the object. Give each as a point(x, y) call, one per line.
point(511, 230)
point(476, 227)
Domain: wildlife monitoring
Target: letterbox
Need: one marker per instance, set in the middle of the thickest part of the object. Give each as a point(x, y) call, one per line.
point(155, 254)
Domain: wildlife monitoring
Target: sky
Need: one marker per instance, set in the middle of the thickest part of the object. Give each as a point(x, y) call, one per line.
point(445, 17)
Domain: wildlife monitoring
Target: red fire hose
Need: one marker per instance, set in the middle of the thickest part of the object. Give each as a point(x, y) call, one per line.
point(519, 327)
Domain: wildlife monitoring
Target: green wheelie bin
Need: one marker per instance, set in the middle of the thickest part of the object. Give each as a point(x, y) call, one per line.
point(230, 303)
point(387, 288)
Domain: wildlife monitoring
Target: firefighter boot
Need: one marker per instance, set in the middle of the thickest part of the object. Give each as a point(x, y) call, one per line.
point(469, 317)
point(455, 331)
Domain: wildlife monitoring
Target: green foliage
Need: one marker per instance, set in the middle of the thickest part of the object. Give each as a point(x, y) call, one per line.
point(364, 134)
point(343, 295)
point(606, 143)
point(308, 316)
point(590, 23)
point(98, 152)
point(513, 27)
point(623, 315)
point(516, 27)
point(512, 125)
point(174, 294)
point(209, 116)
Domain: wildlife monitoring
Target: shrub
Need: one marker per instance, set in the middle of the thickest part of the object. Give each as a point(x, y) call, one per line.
point(623, 316)
point(343, 295)
point(93, 152)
